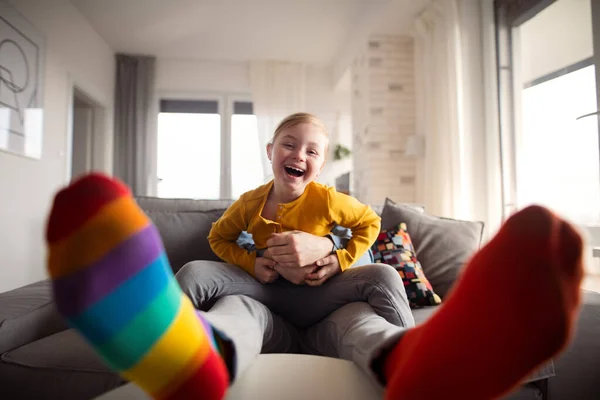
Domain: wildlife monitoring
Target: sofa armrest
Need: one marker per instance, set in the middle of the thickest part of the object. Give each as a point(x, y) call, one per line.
point(28, 314)
point(577, 367)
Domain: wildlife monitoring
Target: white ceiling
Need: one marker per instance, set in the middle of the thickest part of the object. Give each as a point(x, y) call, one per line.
point(310, 31)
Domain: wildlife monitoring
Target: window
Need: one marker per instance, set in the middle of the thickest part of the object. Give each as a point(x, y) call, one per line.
point(558, 155)
point(207, 148)
point(246, 167)
point(547, 82)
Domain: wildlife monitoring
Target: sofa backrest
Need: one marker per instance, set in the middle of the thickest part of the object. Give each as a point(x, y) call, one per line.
point(442, 245)
point(184, 226)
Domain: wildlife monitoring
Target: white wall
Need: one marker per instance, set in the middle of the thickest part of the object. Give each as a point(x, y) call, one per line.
point(383, 111)
point(557, 37)
point(75, 54)
point(334, 109)
point(193, 76)
point(205, 77)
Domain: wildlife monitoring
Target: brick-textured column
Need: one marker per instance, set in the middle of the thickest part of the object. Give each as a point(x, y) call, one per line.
point(383, 117)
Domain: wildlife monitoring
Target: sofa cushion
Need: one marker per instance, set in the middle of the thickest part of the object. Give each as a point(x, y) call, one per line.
point(63, 350)
point(61, 366)
point(578, 367)
point(28, 314)
point(417, 207)
point(394, 247)
point(423, 314)
point(184, 226)
point(443, 245)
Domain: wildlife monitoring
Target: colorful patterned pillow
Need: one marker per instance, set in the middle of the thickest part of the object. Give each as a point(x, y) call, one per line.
point(395, 248)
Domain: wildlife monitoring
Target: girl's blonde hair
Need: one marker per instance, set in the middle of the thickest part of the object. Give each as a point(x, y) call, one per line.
point(297, 119)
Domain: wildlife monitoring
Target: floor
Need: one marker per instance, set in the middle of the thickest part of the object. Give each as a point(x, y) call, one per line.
point(592, 278)
point(591, 282)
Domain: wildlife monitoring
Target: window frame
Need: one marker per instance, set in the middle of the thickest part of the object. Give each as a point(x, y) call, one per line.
point(226, 171)
point(596, 59)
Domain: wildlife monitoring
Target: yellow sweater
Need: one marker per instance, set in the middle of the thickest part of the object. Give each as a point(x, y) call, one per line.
point(316, 211)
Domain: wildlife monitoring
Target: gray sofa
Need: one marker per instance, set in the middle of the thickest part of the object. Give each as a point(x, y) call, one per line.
point(41, 358)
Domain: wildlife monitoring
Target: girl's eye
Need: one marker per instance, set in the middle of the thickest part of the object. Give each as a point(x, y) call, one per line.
point(288, 145)
point(313, 152)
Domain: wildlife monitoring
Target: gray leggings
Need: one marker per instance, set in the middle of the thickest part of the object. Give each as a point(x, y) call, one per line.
point(352, 316)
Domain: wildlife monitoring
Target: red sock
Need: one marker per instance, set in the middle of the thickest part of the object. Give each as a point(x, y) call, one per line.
point(513, 308)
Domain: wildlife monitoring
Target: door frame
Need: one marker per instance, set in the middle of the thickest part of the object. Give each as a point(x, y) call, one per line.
point(98, 131)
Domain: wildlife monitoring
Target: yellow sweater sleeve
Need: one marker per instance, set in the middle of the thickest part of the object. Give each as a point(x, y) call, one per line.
point(364, 223)
point(224, 233)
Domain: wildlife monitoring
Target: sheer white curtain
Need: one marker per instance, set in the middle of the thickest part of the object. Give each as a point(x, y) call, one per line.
point(278, 89)
point(450, 111)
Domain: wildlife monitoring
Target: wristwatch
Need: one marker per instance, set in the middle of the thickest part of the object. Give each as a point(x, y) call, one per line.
point(335, 246)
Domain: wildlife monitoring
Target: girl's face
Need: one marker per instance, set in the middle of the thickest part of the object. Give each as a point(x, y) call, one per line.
point(298, 156)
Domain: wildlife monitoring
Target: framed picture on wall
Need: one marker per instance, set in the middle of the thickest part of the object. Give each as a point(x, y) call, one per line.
point(22, 50)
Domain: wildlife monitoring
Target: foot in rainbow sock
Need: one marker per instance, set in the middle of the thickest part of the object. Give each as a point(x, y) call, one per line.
point(113, 283)
point(513, 309)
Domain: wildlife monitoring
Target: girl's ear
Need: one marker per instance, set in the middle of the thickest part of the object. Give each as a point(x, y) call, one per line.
point(269, 150)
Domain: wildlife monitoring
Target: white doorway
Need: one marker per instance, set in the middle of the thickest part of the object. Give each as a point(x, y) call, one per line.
point(86, 134)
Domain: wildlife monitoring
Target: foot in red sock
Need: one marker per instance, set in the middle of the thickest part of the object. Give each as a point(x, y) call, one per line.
point(513, 308)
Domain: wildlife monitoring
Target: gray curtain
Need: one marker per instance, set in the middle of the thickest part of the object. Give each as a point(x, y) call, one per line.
point(134, 97)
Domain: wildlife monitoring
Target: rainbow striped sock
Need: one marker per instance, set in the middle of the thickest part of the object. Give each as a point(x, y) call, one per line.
point(113, 283)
